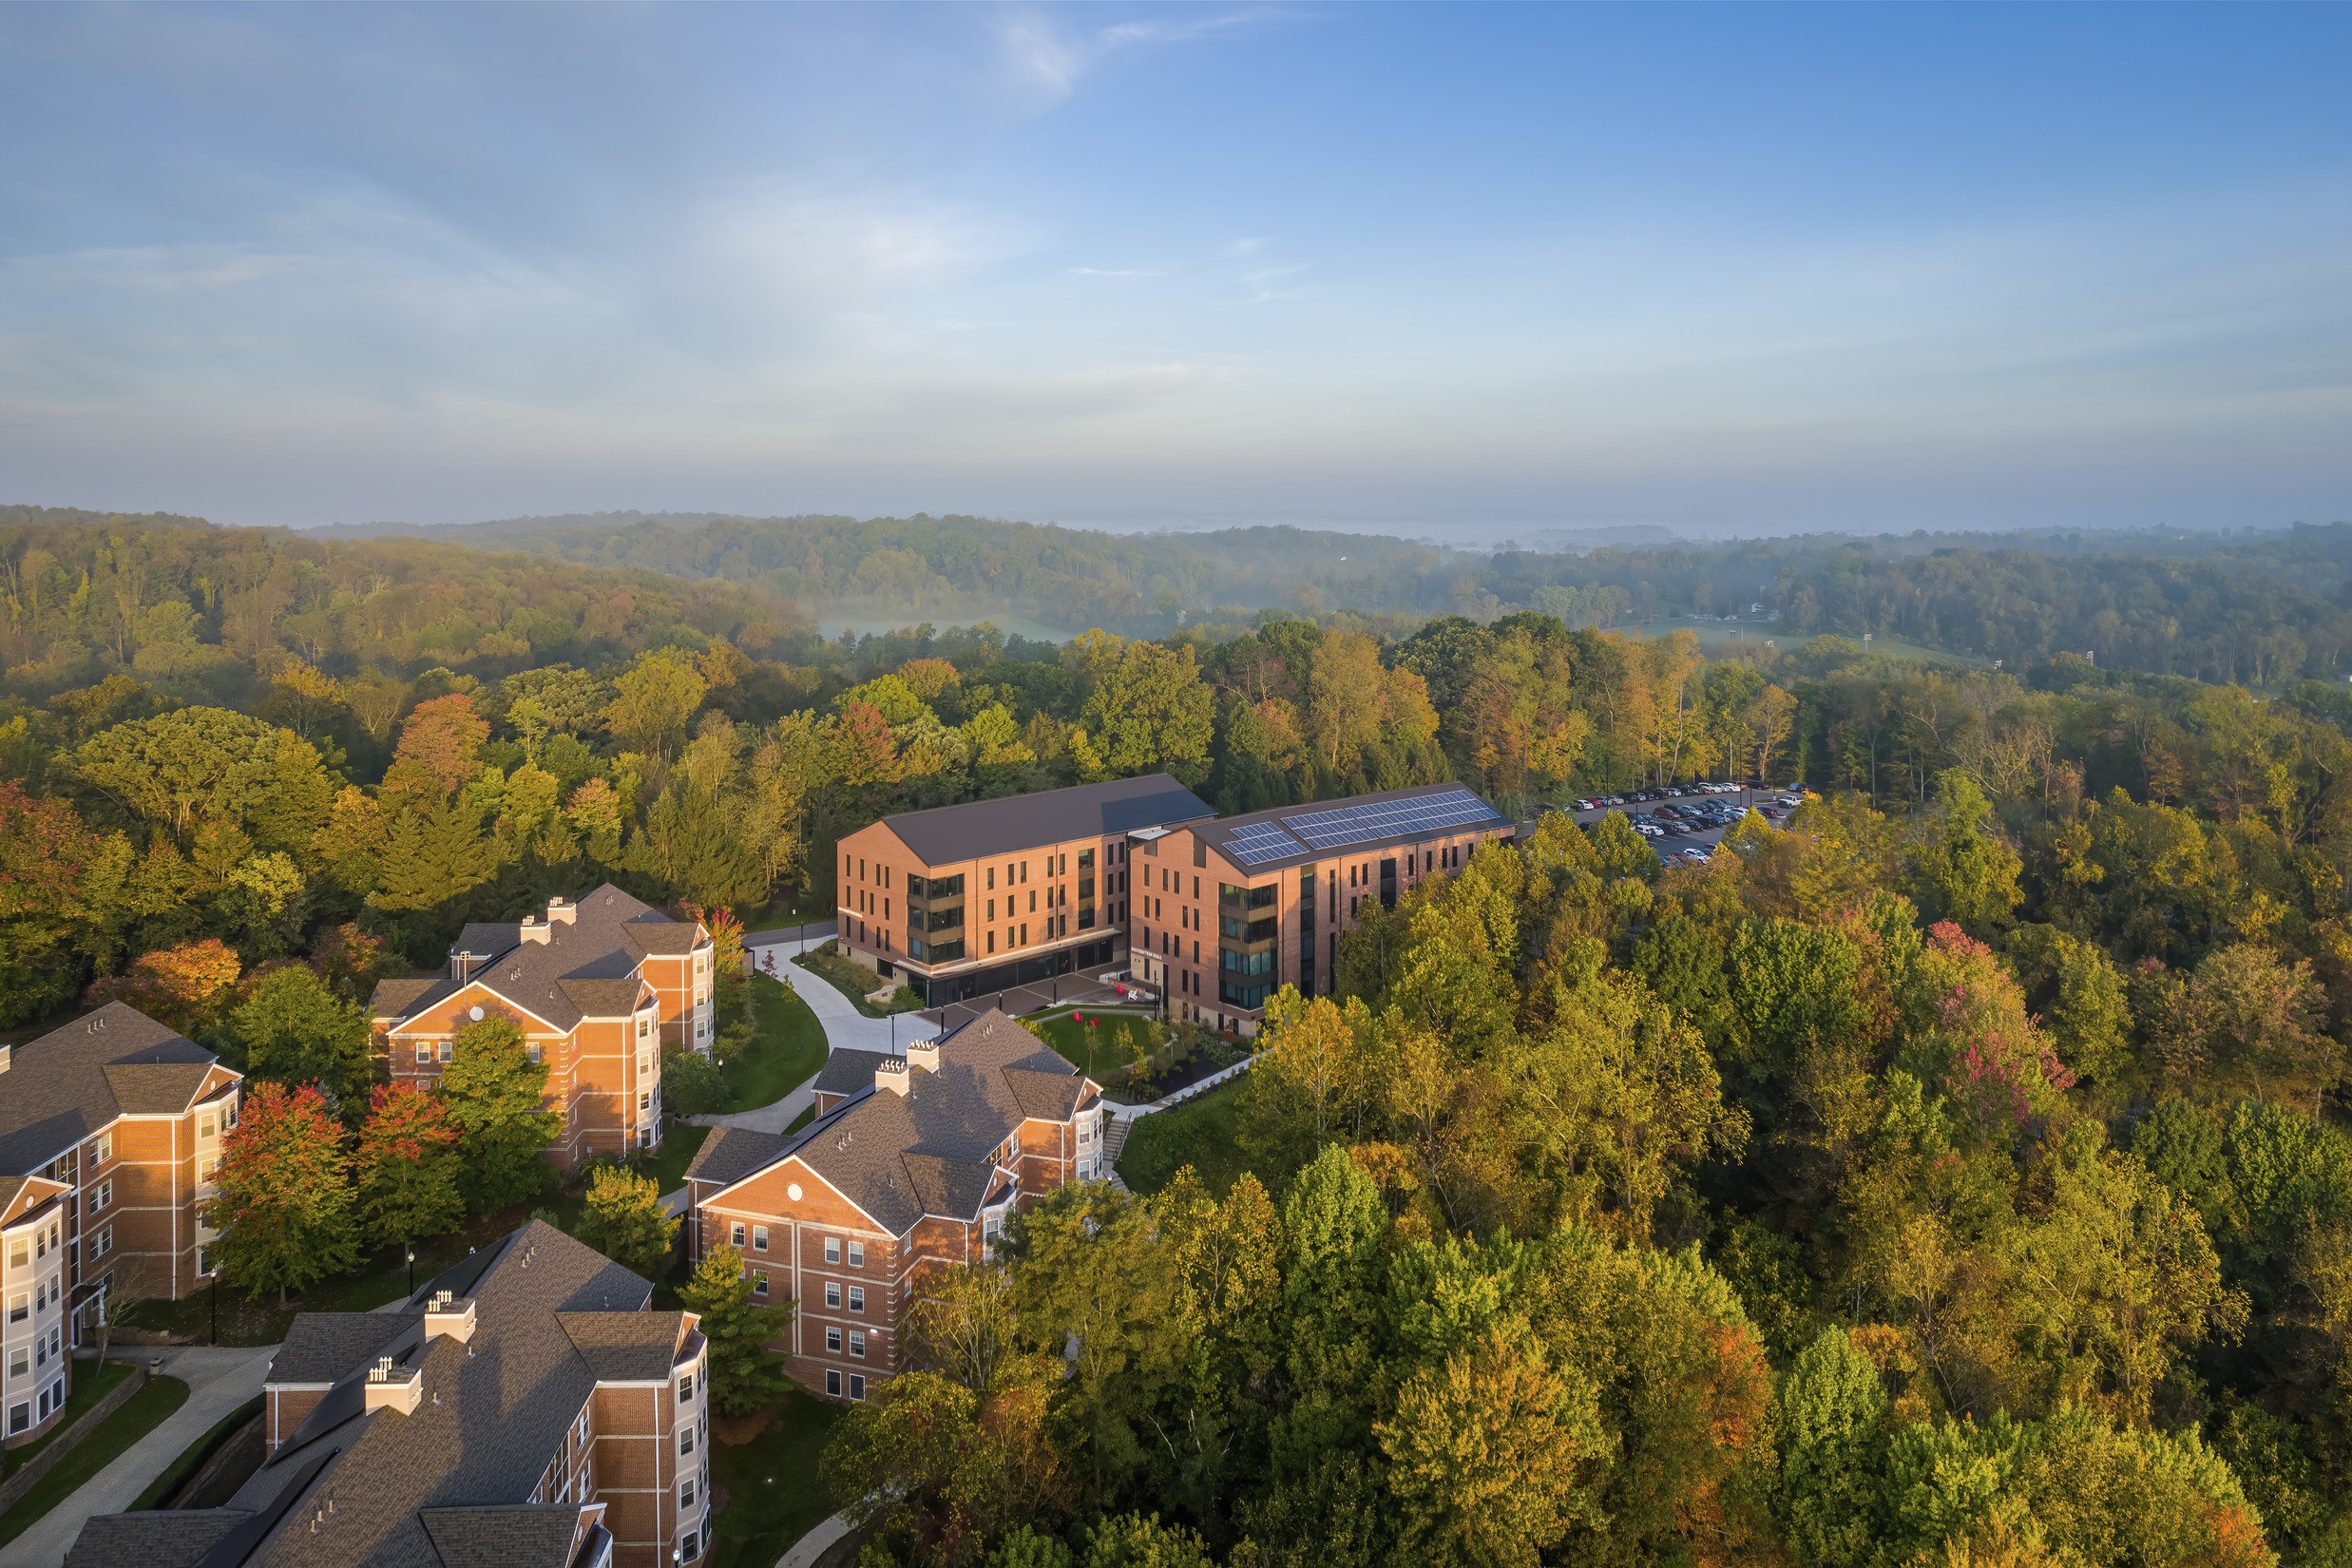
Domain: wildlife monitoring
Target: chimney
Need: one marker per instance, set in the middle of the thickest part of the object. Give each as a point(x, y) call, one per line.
point(446, 1314)
point(5, 1049)
point(891, 1075)
point(924, 1054)
point(563, 910)
point(533, 930)
point(401, 1389)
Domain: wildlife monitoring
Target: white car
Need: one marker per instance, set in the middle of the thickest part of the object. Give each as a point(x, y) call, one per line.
point(1790, 800)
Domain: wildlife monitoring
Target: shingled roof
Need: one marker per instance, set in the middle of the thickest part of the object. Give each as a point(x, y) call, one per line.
point(448, 1484)
point(930, 1150)
point(74, 1081)
point(329, 1346)
point(586, 968)
point(979, 829)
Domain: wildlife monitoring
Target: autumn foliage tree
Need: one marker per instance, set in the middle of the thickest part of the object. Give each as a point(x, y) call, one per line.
point(408, 1166)
point(283, 1208)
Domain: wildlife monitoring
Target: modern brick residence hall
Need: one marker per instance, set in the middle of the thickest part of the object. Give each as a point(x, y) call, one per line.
point(523, 1410)
point(911, 1165)
point(598, 988)
point(111, 1129)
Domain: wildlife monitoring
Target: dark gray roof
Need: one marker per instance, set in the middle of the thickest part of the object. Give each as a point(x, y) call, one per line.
point(730, 1154)
point(523, 1536)
point(158, 1538)
point(979, 829)
point(1222, 832)
point(848, 1070)
point(624, 1347)
point(928, 1151)
point(72, 1081)
point(586, 968)
point(329, 1346)
point(495, 1409)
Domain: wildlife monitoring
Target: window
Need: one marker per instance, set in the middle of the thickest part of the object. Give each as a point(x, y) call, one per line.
point(103, 1152)
point(759, 1282)
point(205, 1126)
point(735, 1236)
point(583, 1425)
point(20, 1361)
point(832, 1383)
point(857, 1254)
point(204, 1261)
point(690, 1547)
point(833, 1296)
point(760, 1238)
point(832, 1248)
point(228, 1115)
point(644, 1101)
point(833, 1342)
point(857, 1298)
point(102, 1242)
point(686, 1493)
point(857, 1385)
point(857, 1343)
point(534, 1053)
point(424, 1052)
point(448, 1050)
point(20, 1252)
point(686, 1389)
point(685, 1440)
point(20, 1308)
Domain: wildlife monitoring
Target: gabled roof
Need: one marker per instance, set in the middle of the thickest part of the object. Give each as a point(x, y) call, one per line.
point(420, 1490)
point(157, 1538)
point(730, 1154)
point(586, 968)
point(625, 1346)
point(929, 1151)
point(977, 829)
point(22, 1194)
point(74, 1081)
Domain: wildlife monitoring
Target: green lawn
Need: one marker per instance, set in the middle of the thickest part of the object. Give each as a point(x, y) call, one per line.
point(680, 1143)
point(192, 1457)
point(92, 1383)
point(786, 1050)
point(854, 979)
point(1201, 1133)
point(773, 1497)
point(1103, 1052)
point(141, 1414)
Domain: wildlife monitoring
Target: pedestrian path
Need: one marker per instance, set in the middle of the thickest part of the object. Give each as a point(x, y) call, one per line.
point(218, 1378)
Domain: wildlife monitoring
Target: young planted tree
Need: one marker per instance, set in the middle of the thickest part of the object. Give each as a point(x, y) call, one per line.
point(623, 1219)
point(494, 1093)
point(284, 1206)
point(745, 1374)
point(408, 1169)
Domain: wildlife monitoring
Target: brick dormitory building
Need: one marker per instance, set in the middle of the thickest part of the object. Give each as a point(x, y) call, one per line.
point(599, 987)
point(527, 1409)
point(111, 1129)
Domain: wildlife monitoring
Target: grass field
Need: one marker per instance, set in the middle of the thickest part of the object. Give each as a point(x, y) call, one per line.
point(1103, 1052)
point(772, 1494)
point(1201, 1133)
point(90, 1384)
point(786, 1050)
point(141, 1414)
point(854, 979)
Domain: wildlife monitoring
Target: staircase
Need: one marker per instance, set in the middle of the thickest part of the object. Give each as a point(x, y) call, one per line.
point(1115, 1139)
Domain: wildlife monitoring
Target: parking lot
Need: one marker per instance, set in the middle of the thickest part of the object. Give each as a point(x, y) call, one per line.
point(1682, 833)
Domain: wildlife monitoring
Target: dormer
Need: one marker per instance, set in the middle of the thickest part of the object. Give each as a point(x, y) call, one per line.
point(400, 1388)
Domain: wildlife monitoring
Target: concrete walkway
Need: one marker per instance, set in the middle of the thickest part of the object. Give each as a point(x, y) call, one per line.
point(219, 1381)
point(815, 1543)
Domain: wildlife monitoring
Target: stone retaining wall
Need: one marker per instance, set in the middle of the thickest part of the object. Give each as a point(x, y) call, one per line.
point(63, 1444)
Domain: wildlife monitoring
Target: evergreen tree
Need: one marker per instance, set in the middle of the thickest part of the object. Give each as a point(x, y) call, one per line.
point(295, 1030)
point(745, 1374)
point(694, 852)
point(283, 1206)
point(495, 1094)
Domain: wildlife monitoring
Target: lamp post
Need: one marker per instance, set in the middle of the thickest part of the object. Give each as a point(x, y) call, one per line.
point(411, 1250)
point(216, 1305)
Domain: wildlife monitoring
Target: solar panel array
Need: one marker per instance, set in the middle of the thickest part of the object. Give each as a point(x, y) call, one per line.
point(1389, 819)
point(1255, 843)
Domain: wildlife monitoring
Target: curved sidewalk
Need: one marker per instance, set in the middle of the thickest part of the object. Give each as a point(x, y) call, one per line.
point(219, 1381)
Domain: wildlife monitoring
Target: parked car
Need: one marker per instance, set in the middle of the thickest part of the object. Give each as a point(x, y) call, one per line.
point(1791, 801)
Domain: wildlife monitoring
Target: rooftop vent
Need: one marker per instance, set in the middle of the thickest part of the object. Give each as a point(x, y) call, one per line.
point(890, 1073)
point(563, 910)
point(400, 1388)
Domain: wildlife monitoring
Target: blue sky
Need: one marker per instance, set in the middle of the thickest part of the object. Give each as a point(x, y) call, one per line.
point(1753, 269)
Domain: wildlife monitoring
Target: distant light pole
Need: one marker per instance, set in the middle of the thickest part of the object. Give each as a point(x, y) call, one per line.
point(216, 1305)
point(411, 1268)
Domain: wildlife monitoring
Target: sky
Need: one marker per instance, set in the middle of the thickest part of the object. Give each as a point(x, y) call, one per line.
point(1751, 269)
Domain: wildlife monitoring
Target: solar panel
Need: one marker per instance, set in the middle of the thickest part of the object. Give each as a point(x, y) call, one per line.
point(1389, 819)
point(1255, 843)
